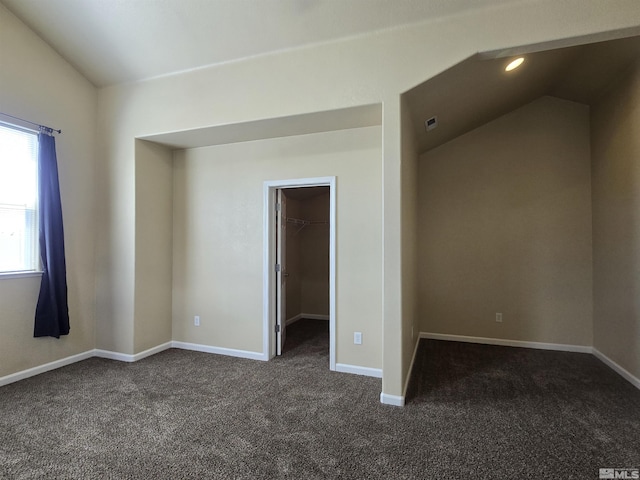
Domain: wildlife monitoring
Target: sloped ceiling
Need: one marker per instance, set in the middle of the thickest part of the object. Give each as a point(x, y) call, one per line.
point(114, 41)
point(478, 90)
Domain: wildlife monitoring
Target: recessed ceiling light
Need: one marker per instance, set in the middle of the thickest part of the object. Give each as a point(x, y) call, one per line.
point(514, 64)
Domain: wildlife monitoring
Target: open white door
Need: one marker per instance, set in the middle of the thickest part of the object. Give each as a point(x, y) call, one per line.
point(275, 253)
point(281, 275)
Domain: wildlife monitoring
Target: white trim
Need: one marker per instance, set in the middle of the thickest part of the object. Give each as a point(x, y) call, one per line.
point(508, 343)
point(230, 352)
point(387, 399)
point(398, 400)
point(357, 370)
point(333, 242)
point(395, 400)
point(294, 319)
point(268, 290)
point(635, 381)
point(125, 357)
point(9, 275)
point(308, 316)
point(19, 124)
point(152, 351)
point(31, 372)
point(268, 259)
point(110, 355)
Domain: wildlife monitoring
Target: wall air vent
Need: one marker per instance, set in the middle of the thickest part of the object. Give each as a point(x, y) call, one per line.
point(431, 123)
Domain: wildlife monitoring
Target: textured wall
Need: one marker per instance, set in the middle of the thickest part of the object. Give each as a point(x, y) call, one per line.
point(154, 233)
point(505, 226)
point(218, 237)
point(314, 256)
point(363, 70)
point(615, 146)
point(38, 85)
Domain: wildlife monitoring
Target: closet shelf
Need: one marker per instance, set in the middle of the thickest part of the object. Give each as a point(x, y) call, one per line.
point(304, 223)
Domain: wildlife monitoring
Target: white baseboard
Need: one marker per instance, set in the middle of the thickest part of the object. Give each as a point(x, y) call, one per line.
point(310, 316)
point(124, 357)
point(152, 351)
point(387, 399)
point(395, 400)
point(507, 343)
point(109, 355)
point(355, 369)
point(293, 319)
point(399, 400)
point(230, 352)
point(635, 381)
point(31, 372)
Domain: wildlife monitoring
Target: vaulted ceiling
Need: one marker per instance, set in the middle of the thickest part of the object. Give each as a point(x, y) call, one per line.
point(114, 41)
point(479, 90)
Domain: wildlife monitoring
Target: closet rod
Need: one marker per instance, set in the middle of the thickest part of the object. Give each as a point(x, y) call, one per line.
point(299, 221)
point(303, 223)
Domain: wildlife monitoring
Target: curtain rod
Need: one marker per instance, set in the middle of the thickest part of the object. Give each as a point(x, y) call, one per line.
point(32, 123)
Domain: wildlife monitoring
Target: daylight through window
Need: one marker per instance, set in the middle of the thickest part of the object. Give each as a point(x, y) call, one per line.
point(18, 199)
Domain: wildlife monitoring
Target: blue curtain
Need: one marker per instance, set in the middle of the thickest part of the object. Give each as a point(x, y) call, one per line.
point(52, 311)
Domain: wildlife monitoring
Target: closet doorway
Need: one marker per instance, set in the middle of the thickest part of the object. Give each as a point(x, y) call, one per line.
point(300, 253)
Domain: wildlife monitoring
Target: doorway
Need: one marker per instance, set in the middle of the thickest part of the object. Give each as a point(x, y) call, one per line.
point(299, 269)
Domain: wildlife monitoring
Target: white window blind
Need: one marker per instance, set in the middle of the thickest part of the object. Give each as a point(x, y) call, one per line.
point(18, 200)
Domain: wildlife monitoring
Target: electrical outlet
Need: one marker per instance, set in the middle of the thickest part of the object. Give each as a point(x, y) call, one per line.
point(196, 320)
point(499, 317)
point(357, 338)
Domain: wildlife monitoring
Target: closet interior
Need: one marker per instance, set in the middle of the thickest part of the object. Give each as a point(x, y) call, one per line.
point(307, 253)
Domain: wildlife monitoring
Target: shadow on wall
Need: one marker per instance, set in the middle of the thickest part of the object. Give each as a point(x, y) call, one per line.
point(505, 226)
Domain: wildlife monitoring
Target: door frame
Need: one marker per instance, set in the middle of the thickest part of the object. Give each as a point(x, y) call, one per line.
point(281, 273)
point(269, 261)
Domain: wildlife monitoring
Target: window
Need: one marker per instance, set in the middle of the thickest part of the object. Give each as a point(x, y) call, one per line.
point(18, 200)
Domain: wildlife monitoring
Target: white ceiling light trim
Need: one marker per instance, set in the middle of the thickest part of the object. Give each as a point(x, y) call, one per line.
point(514, 64)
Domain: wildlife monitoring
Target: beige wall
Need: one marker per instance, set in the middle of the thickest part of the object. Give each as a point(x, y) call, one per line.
point(410, 317)
point(218, 237)
point(615, 146)
point(154, 234)
point(38, 85)
point(364, 70)
point(314, 256)
point(307, 260)
point(505, 226)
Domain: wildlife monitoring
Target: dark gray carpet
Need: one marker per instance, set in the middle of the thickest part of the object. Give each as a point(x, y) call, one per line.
point(475, 411)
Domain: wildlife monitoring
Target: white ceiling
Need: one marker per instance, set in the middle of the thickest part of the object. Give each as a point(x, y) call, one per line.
point(114, 41)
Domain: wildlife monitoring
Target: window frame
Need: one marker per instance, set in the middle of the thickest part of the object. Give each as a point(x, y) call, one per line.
point(37, 267)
